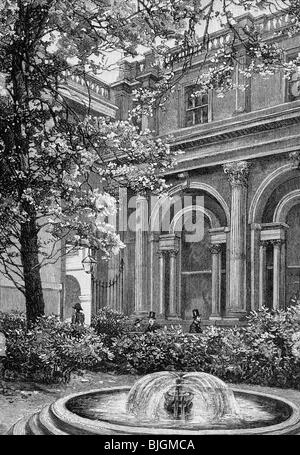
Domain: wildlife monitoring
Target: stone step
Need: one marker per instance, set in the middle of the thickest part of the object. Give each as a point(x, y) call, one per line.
point(19, 428)
point(63, 424)
point(49, 423)
point(33, 426)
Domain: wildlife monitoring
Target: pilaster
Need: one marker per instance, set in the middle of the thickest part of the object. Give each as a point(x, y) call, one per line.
point(216, 250)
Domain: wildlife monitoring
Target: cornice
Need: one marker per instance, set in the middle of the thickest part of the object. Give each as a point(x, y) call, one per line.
point(83, 92)
point(255, 122)
point(283, 145)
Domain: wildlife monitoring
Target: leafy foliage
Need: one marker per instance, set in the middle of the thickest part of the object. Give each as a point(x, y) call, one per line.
point(110, 324)
point(12, 321)
point(51, 349)
point(50, 151)
point(266, 352)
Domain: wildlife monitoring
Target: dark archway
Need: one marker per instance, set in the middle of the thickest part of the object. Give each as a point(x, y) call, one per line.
point(72, 293)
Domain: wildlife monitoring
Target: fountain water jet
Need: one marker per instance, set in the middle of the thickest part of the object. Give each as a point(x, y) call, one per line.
point(207, 397)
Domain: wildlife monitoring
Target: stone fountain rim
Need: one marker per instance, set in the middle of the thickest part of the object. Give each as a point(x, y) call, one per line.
point(88, 426)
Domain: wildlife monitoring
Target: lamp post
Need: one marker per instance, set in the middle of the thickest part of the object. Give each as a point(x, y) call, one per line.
point(89, 264)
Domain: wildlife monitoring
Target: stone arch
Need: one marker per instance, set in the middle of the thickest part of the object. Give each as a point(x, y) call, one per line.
point(214, 221)
point(72, 293)
point(265, 189)
point(154, 218)
point(285, 205)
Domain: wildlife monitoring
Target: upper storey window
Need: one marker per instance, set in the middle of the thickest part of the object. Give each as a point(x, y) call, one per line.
point(294, 86)
point(196, 107)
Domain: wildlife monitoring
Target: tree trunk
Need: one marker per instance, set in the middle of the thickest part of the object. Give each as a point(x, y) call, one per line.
point(35, 304)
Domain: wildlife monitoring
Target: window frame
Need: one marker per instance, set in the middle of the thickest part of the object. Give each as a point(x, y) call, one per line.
point(290, 55)
point(208, 105)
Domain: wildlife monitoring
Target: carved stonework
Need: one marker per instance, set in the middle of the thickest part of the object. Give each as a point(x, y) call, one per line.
point(264, 243)
point(215, 248)
point(277, 242)
point(164, 253)
point(237, 172)
point(295, 159)
point(173, 253)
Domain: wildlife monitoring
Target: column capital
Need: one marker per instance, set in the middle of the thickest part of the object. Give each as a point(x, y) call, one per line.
point(294, 158)
point(173, 253)
point(237, 172)
point(264, 243)
point(277, 242)
point(215, 248)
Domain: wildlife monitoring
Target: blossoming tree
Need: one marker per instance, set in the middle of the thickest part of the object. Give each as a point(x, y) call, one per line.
point(50, 154)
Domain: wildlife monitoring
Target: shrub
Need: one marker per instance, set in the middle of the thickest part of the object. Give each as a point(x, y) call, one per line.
point(12, 321)
point(266, 352)
point(51, 349)
point(161, 350)
point(110, 324)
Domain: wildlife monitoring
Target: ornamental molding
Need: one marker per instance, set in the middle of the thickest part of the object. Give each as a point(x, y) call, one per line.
point(273, 242)
point(215, 248)
point(277, 242)
point(219, 131)
point(237, 172)
point(164, 253)
point(294, 158)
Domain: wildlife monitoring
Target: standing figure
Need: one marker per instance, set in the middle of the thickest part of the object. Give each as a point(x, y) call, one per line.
point(2, 354)
point(195, 326)
point(78, 315)
point(152, 325)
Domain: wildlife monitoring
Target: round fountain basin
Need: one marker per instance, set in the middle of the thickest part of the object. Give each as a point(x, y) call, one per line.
point(104, 412)
point(166, 402)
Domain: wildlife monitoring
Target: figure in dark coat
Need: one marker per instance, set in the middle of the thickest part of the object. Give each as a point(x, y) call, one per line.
point(2, 354)
point(195, 326)
point(78, 315)
point(152, 324)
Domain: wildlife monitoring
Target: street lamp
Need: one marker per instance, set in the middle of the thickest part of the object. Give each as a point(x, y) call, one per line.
point(89, 263)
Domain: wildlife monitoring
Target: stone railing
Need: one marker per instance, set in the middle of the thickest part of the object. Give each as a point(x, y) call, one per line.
point(91, 83)
point(266, 25)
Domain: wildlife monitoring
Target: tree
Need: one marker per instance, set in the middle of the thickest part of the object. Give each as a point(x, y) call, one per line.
point(49, 154)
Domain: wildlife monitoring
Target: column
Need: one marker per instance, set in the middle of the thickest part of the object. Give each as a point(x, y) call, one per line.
point(283, 276)
point(237, 174)
point(172, 294)
point(86, 304)
point(255, 265)
point(276, 272)
point(154, 271)
point(227, 268)
point(162, 268)
point(262, 274)
point(141, 256)
point(215, 250)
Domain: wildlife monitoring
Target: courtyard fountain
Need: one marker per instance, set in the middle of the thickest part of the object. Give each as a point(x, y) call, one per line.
point(166, 402)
